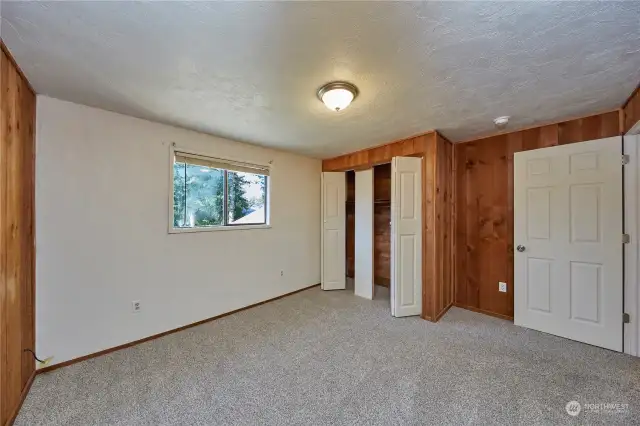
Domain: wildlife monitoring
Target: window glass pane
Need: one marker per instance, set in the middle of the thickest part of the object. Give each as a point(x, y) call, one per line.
point(179, 199)
point(203, 199)
point(247, 198)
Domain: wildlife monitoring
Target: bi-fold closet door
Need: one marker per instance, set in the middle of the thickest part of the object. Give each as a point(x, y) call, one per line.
point(406, 234)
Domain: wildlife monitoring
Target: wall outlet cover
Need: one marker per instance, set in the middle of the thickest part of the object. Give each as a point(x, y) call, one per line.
point(136, 306)
point(502, 287)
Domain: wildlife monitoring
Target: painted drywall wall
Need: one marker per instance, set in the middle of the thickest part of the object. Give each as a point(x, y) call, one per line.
point(102, 183)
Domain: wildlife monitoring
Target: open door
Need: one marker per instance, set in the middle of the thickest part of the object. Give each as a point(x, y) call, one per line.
point(364, 234)
point(406, 236)
point(333, 231)
point(568, 241)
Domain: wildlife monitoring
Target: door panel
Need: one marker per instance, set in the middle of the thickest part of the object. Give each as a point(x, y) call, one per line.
point(568, 220)
point(333, 231)
point(364, 234)
point(406, 236)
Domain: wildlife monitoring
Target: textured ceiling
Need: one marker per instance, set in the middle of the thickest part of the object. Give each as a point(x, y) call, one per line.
point(249, 70)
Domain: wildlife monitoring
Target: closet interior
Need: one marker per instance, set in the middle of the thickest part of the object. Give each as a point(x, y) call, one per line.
point(381, 225)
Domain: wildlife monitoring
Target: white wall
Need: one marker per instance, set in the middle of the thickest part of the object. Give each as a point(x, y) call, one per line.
point(102, 182)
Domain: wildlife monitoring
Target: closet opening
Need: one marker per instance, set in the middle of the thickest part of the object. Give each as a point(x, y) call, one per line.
point(380, 232)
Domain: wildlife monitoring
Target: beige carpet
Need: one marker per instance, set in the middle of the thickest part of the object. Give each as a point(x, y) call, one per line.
point(318, 358)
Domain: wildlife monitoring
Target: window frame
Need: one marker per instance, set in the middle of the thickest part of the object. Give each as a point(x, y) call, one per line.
point(226, 226)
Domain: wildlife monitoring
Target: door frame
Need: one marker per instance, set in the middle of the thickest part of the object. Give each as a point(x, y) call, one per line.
point(631, 291)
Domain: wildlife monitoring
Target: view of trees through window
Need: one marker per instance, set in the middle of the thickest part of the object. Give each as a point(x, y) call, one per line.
point(199, 197)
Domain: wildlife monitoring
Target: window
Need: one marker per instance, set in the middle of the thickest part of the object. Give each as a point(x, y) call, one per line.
point(213, 193)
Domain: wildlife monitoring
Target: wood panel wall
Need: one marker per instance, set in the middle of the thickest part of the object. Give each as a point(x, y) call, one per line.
point(350, 231)
point(17, 252)
point(631, 110)
point(433, 182)
point(484, 206)
point(381, 220)
point(444, 210)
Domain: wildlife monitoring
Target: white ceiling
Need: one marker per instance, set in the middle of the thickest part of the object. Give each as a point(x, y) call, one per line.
point(250, 70)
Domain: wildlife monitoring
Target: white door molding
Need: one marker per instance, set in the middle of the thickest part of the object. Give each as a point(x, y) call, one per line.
point(631, 252)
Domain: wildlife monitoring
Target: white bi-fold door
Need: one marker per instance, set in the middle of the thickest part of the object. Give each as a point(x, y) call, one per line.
point(406, 236)
point(333, 231)
point(363, 265)
point(568, 241)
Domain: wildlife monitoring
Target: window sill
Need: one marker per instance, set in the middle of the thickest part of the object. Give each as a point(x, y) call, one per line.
point(218, 228)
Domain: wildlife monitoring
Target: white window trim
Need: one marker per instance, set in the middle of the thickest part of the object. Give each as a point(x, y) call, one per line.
point(172, 230)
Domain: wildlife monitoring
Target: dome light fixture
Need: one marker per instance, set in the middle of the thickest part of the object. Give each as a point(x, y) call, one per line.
point(337, 95)
point(501, 122)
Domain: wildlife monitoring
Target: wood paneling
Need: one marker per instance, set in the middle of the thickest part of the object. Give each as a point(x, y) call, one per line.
point(17, 278)
point(423, 146)
point(381, 227)
point(444, 227)
point(484, 207)
point(370, 157)
point(631, 111)
point(350, 232)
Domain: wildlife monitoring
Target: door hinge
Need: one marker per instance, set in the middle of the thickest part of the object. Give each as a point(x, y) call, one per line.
point(626, 318)
point(626, 238)
point(625, 159)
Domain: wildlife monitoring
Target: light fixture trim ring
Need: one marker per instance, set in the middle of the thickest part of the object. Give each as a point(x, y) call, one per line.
point(338, 85)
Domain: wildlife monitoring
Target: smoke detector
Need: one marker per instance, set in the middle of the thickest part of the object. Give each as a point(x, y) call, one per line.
point(501, 122)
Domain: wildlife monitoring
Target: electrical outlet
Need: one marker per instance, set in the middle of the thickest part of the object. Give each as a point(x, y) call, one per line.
point(502, 287)
point(136, 306)
point(281, 273)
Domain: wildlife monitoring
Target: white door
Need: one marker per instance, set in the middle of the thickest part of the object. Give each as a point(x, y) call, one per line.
point(364, 234)
point(333, 231)
point(568, 241)
point(406, 236)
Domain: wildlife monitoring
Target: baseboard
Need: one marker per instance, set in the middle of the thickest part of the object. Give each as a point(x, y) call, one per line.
point(481, 311)
point(23, 396)
point(155, 336)
point(444, 311)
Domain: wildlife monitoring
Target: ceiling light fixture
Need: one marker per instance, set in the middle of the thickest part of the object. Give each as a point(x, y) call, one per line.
point(501, 122)
point(337, 95)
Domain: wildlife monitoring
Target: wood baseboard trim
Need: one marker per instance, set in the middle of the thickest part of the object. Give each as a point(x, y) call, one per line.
point(155, 336)
point(481, 311)
point(23, 396)
point(444, 311)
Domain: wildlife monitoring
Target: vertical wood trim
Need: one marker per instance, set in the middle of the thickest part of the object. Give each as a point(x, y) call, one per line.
point(631, 111)
point(14, 65)
point(4, 72)
point(17, 259)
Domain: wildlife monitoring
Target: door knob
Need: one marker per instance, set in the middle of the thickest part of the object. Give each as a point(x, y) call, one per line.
point(520, 248)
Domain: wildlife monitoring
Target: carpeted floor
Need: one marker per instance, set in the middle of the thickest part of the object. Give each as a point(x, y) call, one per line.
point(318, 358)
